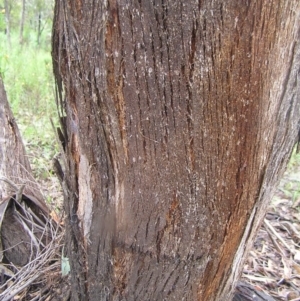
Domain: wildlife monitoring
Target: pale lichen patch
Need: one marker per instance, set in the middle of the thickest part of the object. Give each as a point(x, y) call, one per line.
point(85, 205)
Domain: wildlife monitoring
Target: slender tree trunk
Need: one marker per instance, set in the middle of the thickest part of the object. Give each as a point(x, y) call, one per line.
point(180, 118)
point(21, 36)
point(39, 31)
point(7, 21)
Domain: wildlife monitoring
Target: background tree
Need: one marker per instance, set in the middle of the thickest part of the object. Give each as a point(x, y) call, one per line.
point(7, 21)
point(44, 15)
point(180, 118)
point(26, 17)
point(22, 21)
point(27, 73)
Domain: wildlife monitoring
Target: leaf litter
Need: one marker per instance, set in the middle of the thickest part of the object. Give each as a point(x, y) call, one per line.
point(273, 264)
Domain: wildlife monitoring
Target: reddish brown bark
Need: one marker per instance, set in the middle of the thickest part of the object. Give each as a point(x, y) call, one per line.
point(180, 117)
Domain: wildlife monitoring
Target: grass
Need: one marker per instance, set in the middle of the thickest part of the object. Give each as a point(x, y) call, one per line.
point(27, 74)
point(294, 161)
point(292, 187)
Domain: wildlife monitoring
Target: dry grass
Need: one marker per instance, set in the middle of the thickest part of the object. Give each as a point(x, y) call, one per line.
point(30, 249)
point(34, 280)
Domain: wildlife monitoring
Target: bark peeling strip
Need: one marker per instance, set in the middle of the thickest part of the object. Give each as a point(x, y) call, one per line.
point(85, 206)
point(119, 194)
point(239, 256)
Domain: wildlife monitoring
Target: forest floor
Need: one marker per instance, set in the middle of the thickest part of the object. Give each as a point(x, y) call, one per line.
point(273, 264)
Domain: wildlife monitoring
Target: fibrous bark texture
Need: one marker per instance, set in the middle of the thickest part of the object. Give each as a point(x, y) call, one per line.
point(180, 117)
point(15, 171)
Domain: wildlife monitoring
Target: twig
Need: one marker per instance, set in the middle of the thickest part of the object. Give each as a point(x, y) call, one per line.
point(29, 281)
point(18, 190)
point(9, 182)
point(19, 193)
point(35, 268)
point(271, 228)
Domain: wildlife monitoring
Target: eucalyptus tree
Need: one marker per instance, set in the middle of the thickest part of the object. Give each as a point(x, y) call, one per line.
point(178, 118)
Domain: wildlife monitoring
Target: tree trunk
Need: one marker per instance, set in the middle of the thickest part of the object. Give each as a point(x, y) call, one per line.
point(7, 22)
point(180, 118)
point(39, 29)
point(15, 170)
point(22, 21)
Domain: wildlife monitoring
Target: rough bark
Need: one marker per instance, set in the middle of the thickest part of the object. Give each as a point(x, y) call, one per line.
point(180, 118)
point(15, 170)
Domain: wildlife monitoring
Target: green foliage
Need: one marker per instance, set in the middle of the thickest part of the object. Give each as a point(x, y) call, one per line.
point(2, 19)
point(294, 176)
point(289, 187)
point(294, 161)
point(35, 10)
point(27, 74)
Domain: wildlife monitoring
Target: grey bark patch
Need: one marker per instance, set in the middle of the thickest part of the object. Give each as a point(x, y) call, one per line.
point(85, 205)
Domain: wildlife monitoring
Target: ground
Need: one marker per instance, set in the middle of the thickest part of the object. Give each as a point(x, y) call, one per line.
point(273, 264)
